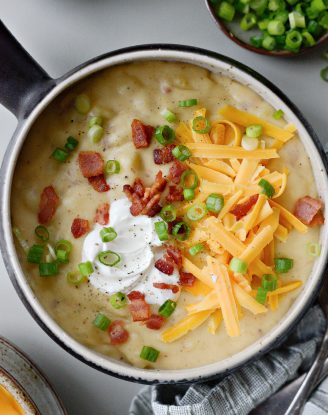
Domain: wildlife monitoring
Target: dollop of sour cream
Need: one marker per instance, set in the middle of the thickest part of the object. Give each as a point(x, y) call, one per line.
point(139, 247)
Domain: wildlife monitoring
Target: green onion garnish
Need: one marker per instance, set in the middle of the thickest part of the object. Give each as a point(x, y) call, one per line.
point(238, 266)
point(201, 125)
point(188, 194)
point(269, 42)
point(118, 300)
point(269, 282)
point(35, 254)
point(277, 115)
point(181, 231)
point(169, 115)
point(60, 154)
point(96, 120)
point(226, 11)
point(161, 229)
point(256, 40)
point(185, 179)
point(267, 188)
point(75, 278)
point(313, 249)
point(64, 245)
point(293, 40)
point(167, 308)
point(112, 167)
point(85, 268)
point(149, 353)
point(276, 28)
point(308, 39)
point(261, 295)
point(181, 152)
point(42, 233)
point(214, 202)
point(101, 322)
point(109, 258)
point(296, 20)
point(62, 256)
point(318, 5)
point(196, 212)
point(71, 143)
point(324, 74)
point(248, 21)
point(108, 234)
point(164, 135)
point(82, 104)
point(283, 265)
point(96, 133)
point(188, 102)
point(196, 249)
point(259, 6)
point(168, 213)
point(48, 269)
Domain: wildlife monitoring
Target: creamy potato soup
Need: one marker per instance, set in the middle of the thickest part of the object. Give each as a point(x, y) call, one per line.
point(165, 215)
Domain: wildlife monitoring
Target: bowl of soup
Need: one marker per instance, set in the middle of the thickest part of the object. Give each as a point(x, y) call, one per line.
point(166, 211)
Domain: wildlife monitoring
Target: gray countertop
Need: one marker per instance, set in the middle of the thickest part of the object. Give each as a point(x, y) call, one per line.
point(61, 34)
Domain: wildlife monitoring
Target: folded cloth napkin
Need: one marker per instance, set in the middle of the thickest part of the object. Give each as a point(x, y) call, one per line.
point(241, 391)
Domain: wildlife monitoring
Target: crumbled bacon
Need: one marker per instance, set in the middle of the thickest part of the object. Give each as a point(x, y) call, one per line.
point(139, 308)
point(49, 202)
point(141, 134)
point(117, 333)
point(152, 207)
point(166, 267)
point(175, 194)
point(79, 227)
point(164, 155)
point(155, 322)
point(176, 171)
point(99, 183)
point(102, 214)
point(136, 295)
point(137, 205)
point(91, 163)
point(163, 286)
point(157, 187)
point(139, 187)
point(242, 209)
point(187, 279)
point(309, 211)
point(174, 254)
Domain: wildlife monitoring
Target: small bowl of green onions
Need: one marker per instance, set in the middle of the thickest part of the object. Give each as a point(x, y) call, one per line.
point(273, 27)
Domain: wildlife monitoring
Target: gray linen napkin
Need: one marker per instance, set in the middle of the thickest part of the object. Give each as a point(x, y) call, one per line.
point(243, 390)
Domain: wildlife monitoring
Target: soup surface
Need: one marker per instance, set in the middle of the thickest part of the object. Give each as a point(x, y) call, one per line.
point(142, 91)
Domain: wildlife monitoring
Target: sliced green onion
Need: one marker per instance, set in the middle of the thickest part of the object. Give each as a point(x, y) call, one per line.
point(85, 268)
point(96, 133)
point(324, 20)
point(280, 41)
point(112, 167)
point(267, 188)
point(249, 143)
point(82, 104)
point(75, 278)
point(324, 74)
point(185, 179)
point(254, 130)
point(167, 308)
point(258, 6)
point(62, 256)
point(313, 249)
point(60, 154)
point(149, 353)
point(188, 102)
point(101, 322)
point(196, 249)
point(215, 202)
point(164, 135)
point(263, 25)
point(308, 39)
point(181, 152)
point(181, 231)
point(188, 194)
point(42, 233)
point(71, 143)
point(283, 265)
point(109, 258)
point(256, 40)
point(277, 115)
point(64, 245)
point(318, 5)
point(276, 28)
point(312, 14)
point(293, 40)
point(269, 42)
point(169, 115)
point(242, 7)
point(276, 5)
point(261, 295)
point(22, 242)
point(161, 229)
point(168, 213)
point(248, 21)
point(108, 234)
point(282, 16)
point(35, 254)
point(201, 125)
point(96, 120)
point(48, 269)
point(118, 300)
point(197, 211)
point(238, 266)
point(269, 282)
point(314, 28)
point(296, 20)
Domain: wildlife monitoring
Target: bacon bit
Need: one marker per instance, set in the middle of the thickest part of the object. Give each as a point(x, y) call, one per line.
point(176, 171)
point(175, 194)
point(157, 187)
point(138, 307)
point(138, 187)
point(152, 207)
point(187, 279)
point(91, 163)
point(164, 155)
point(141, 134)
point(117, 333)
point(136, 295)
point(49, 202)
point(163, 286)
point(137, 205)
point(155, 322)
point(79, 227)
point(164, 266)
point(174, 254)
point(309, 211)
point(102, 214)
point(99, 183)
point(242, 209)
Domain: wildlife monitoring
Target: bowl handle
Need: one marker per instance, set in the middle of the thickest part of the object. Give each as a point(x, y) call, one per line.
point(23, 82)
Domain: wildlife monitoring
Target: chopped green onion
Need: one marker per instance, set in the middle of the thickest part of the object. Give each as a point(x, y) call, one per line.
point(169, 115)
point(108, 234)
point(35, 254)
point(75, 278)
point(48, 269)
point(261, 295)
point(168, 213)
point(188, 194)
point(318, 5)
point(185, 178)
point(164, 135)
point(324, 20)
point(64, 245)
point(269, 282)
point(101, 322)
point(263, 25)
point(283, 265)
point(258, 6)
point(280, 41)
point(42, 233)
point(276, 5)
point(181, 152)
point(324, 74)
point(214, 202)
point(293, 40)
point(282, 16)
point(277, 115)
point(149, 353)
point(112, 167)
point(314, 28)
point(196, 211)
point(62, 256)
point(313, 249)
point(196, 249)
point(71, 143)
point(22, 242)
point(226, 11)
point(267, 188)
point(109, 258)
point(85, 268)
point(167, 308)
point(276, 28)
point(242, 7)
point(254, 130)
point(296, 20)
point(161, 229)
point(256, 40)
point(188, 102)
point(269, 42)
point(308, 39)
point(97, 120)
point(238, 266)
point(96, 133)
point(118, 300)
point(248, 21)
point(249, 143)
point(82, 104)
point(201, 125)
point(60, 154)
point(181, 231)
point(312, 14)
